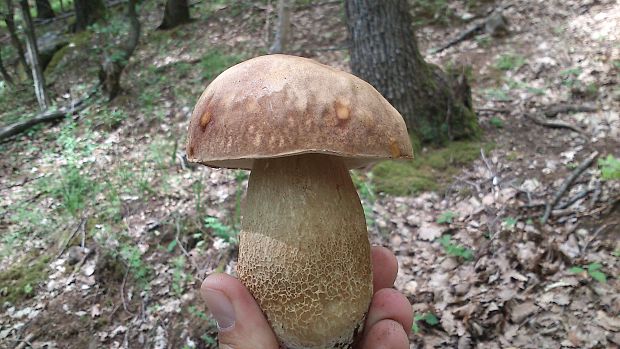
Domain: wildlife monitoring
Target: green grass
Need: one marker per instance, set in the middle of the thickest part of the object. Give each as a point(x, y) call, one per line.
point(428, 171)
point(20, 281)
point(509, 61)
point(455, 250)
point(496, 122)
point(610, 168)
point(215, 62)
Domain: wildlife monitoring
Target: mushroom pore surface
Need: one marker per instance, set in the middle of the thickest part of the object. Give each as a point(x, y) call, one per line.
point(304, 252)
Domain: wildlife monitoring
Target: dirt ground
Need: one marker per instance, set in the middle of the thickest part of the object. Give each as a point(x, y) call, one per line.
point(481, 270)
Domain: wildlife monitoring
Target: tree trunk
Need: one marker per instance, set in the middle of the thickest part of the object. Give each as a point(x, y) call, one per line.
point(112, 68)
point(87, 12)
point(176, 13)
point(10, 25)
point(283, 29)
point(33, 54)
point(5, 74)
point(436, 106)
point(44, 9)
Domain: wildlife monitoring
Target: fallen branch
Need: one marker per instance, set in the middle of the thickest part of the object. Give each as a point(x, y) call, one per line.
point(574, 199)
point(468, 33)
point(567, 183)
point(553, 124)
point(47, 116)
point(472, 31)
point(26, 341)
point(563, 108)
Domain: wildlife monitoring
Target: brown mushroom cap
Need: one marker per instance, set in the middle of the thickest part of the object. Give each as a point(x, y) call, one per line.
point(279, 105)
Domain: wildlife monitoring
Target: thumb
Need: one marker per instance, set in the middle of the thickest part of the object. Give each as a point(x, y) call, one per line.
point(240, 321)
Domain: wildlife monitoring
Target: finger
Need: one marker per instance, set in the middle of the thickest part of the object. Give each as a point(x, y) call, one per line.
point(384, 268)
point(241, 323)
point(386, 334)
point(389, 304)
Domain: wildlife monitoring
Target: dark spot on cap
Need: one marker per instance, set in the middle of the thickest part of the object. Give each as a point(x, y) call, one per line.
point(191, 151)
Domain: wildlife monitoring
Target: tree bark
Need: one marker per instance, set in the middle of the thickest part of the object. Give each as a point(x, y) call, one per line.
point(87, 12)
point(10, 24)
point(5, 74)
point(44, 9)
point(112, 68)
point(436, 106)
point(283, 29)
point(176, 13)
point(33, 54)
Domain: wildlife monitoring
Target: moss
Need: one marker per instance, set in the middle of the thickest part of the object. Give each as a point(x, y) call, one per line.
point(20, 281)
point(429, 171)
point(77, 42)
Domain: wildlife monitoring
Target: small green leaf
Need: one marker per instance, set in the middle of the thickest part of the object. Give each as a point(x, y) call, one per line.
point(598, 276)
point(446, 217)
point(576, 270)
point(594, 266)
point(430, 319)
point(171, 245)
point(510, 223)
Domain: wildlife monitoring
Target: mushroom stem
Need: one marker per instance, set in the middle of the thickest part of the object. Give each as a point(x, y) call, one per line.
point(304, 252)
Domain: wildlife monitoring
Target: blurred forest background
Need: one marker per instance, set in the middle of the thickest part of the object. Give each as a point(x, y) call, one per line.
point(505, 224)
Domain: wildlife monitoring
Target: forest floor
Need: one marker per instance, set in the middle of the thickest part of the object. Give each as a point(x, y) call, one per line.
point(106, 232)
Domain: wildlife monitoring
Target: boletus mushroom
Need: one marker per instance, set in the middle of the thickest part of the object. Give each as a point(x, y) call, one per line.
point(299, 126)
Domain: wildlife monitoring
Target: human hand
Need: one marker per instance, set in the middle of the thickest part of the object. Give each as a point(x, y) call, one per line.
point(387, 324)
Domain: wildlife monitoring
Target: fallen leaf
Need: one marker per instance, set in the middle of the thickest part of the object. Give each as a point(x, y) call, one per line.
point(521, 311)
point(429, 231)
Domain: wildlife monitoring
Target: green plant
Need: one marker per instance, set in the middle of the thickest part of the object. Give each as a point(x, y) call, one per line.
point(430, 319)
point(509, 62)
point(215, 62)
point(179, 277)
point(455, 250)
point(132, 256)
point(429, 170)
point(446, 217)
point(570, 76)
point(197, 189)
point(593, 269)
point(221, 230)
point(366, 191)
point(510, 223)
point(497, 95)
point(610, 168)
point(497, 122)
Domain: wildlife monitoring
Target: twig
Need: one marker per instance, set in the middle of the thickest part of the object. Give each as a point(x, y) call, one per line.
point(26, 180)
point(567, 183)
point(493, 110)
point(26, 341)
point(187, 255)
point(553, 124)
point(574, 199)
point(562, 108)
point(66, 244)
point(123, 292)
point(461, 37)
point(597, 232)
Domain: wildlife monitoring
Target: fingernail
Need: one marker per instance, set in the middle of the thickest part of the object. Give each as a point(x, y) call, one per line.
point(221, 308)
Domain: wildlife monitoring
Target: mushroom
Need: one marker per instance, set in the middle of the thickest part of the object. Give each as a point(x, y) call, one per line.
point(299, 126)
